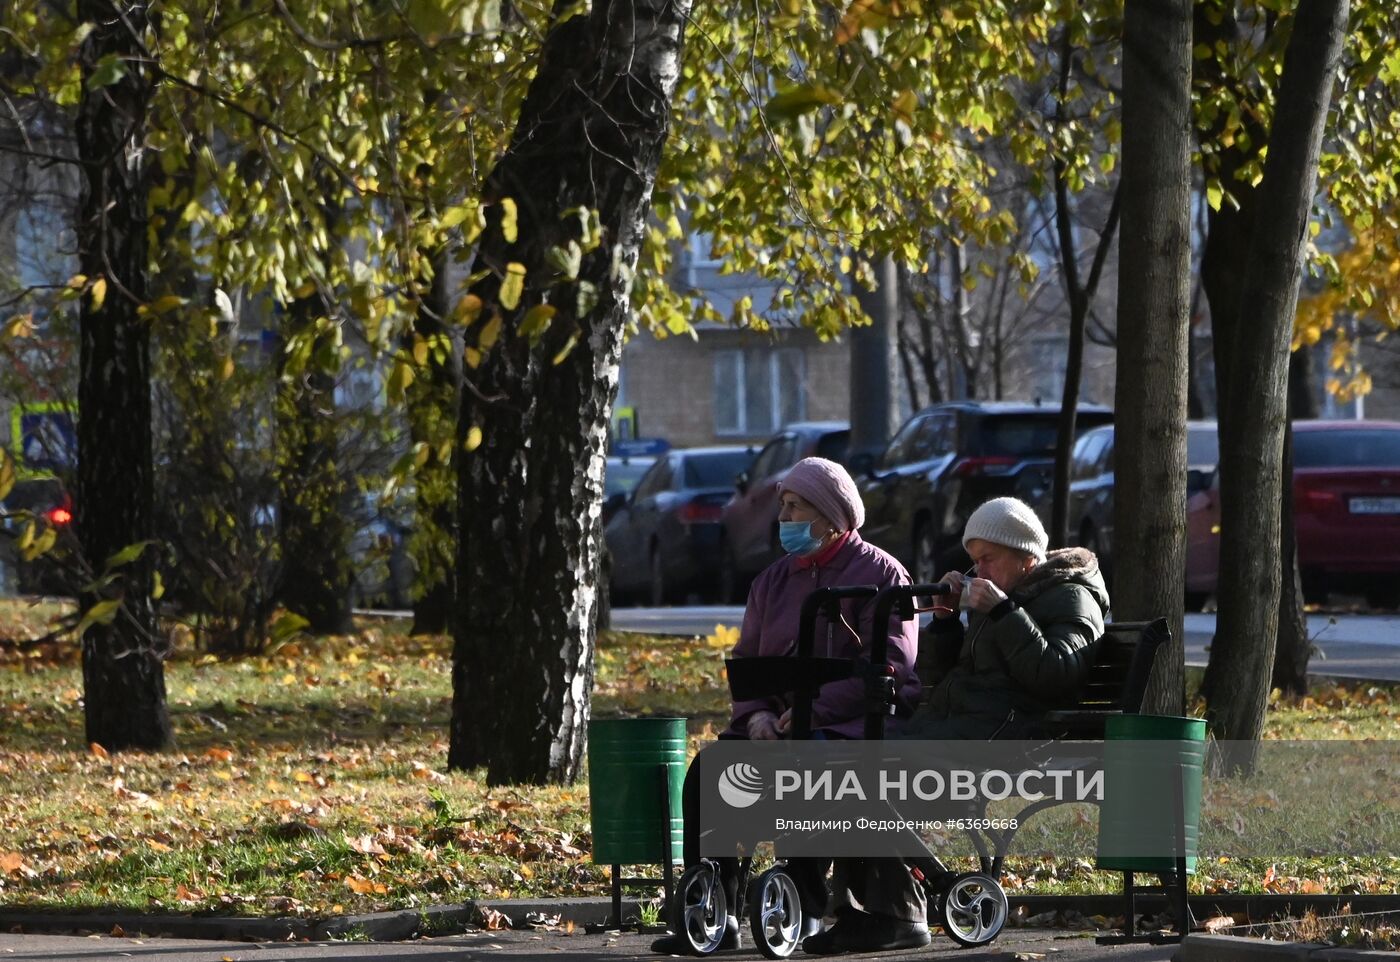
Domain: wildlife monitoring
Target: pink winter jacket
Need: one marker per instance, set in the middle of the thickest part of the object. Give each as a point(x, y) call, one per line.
point(770, 628)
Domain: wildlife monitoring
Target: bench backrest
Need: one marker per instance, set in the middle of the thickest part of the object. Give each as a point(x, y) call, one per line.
point(1122, 666)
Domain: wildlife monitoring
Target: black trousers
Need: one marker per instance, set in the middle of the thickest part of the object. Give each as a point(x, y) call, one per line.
point(808, 874)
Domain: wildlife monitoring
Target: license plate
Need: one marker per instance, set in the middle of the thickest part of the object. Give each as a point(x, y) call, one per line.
point(1375, 505)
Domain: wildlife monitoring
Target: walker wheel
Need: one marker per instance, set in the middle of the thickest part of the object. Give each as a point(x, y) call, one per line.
point(973, 910)
point(776, 915)
point(700, 910)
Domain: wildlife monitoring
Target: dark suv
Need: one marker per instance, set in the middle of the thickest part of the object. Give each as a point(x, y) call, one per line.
point(945, 461)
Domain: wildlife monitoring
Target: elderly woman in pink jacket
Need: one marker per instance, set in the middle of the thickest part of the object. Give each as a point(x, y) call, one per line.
point(820, 514)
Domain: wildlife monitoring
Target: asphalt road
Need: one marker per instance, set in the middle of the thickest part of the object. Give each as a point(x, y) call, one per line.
point(1349, 645)
point(533, 947)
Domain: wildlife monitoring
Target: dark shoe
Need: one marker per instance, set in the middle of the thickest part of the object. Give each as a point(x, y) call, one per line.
point(825, 942)
point(882, 933)
point(675, 943)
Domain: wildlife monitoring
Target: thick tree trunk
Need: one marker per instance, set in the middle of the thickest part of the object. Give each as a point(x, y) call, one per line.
point(433, 401)
point(314, 526)
point(1154, 292)
point(123, 672)
point(589, 138)
point(1255, 409)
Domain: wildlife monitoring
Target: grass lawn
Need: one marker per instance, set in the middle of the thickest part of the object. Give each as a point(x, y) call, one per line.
point(311, 781)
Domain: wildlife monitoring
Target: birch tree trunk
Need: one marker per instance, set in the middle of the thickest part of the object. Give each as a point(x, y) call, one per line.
point(589, 138)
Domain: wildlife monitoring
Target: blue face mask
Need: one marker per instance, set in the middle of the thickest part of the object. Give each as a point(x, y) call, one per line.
point(796, 537)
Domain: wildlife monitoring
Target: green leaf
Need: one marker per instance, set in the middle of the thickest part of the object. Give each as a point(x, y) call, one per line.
point(37, 545)
point(513, 285)
point(567, 349)
point(107, 71)
point(490, 331)
point(128, 554)
point(101, 613)
point(287, 626)
point(1214, 194)
point(566, 260)
point(537, 320)
point(789, 103)
point(585, 300)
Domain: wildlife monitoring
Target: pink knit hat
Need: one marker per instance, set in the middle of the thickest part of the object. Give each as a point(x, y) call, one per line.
point(829, 488)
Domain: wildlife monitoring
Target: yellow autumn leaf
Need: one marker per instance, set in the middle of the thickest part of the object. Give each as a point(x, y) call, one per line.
point(472, 356)
point(97, 293)
point(468, 309)
point(513, 285)
point(21, 325)
point(489, 333)
point(509, 228)
point(473, 438)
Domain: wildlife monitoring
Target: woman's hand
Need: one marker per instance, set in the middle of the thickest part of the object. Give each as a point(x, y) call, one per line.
point(983, 595)
point(785, 723)
point(946, 606)
point(763, 726)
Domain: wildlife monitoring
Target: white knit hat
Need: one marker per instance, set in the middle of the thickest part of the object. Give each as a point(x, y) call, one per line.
point(1009, 522)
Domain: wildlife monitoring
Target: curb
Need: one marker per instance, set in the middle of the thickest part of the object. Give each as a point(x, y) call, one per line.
point(394, 926)
point(402, 924)
point(1213, 948)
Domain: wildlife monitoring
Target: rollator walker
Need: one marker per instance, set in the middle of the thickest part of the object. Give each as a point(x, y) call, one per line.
point(970, 906)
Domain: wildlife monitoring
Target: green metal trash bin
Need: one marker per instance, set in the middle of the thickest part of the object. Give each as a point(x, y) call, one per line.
point(1138, 817)
point(628, 759)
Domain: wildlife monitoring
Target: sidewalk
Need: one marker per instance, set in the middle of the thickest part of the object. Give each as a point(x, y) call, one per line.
point(542, 929)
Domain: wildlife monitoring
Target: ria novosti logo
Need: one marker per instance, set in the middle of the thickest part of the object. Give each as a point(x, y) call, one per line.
point(740, 785)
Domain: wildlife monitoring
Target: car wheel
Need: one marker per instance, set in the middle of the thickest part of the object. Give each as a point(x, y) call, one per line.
point(1314, 588)
point(659, 589)
point(1196, 600)
point(925, 554)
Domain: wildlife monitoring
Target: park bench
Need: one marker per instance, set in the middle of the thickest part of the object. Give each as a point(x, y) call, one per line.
point(1122, 665)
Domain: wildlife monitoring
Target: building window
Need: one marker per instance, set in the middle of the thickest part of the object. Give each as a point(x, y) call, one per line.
point(759, 390)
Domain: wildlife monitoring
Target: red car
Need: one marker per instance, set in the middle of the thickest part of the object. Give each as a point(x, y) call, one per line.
point(1346, 507)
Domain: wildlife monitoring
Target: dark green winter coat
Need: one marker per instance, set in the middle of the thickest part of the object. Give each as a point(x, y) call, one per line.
point(999, 676)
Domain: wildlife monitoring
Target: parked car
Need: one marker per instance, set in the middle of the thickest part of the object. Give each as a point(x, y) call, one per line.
point(619, 478)
point(750, 519)
point(1091, 479)
point(1346, 514)
point(664, 540)
point(47, 503)
point(945, 461)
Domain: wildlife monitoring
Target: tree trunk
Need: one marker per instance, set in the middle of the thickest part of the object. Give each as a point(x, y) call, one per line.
point(314, 500)
point(432, 400)
point(1079, 295)
point(1154, 293)
point(1254, 411)
point(589, 137)
point(872, 363)
point(1293, 649)
point(123, 673)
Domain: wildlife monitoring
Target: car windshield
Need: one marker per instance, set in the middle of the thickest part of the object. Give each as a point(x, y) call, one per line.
point(1020, 435)
point(623, 475)
point(716, 470)
point(1346, 448)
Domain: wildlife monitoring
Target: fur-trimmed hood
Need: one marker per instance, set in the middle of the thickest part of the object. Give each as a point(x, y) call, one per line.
point(1065, 565)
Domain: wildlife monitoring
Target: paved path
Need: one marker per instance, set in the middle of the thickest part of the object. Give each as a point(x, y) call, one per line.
point(1351, 646)
point(532, 947)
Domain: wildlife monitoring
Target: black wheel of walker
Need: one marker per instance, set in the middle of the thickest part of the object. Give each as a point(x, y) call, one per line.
point(973, 910)
point(776, 914)
point(701, 909)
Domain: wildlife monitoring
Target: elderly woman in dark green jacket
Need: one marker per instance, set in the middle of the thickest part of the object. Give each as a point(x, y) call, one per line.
point(1033, 617)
